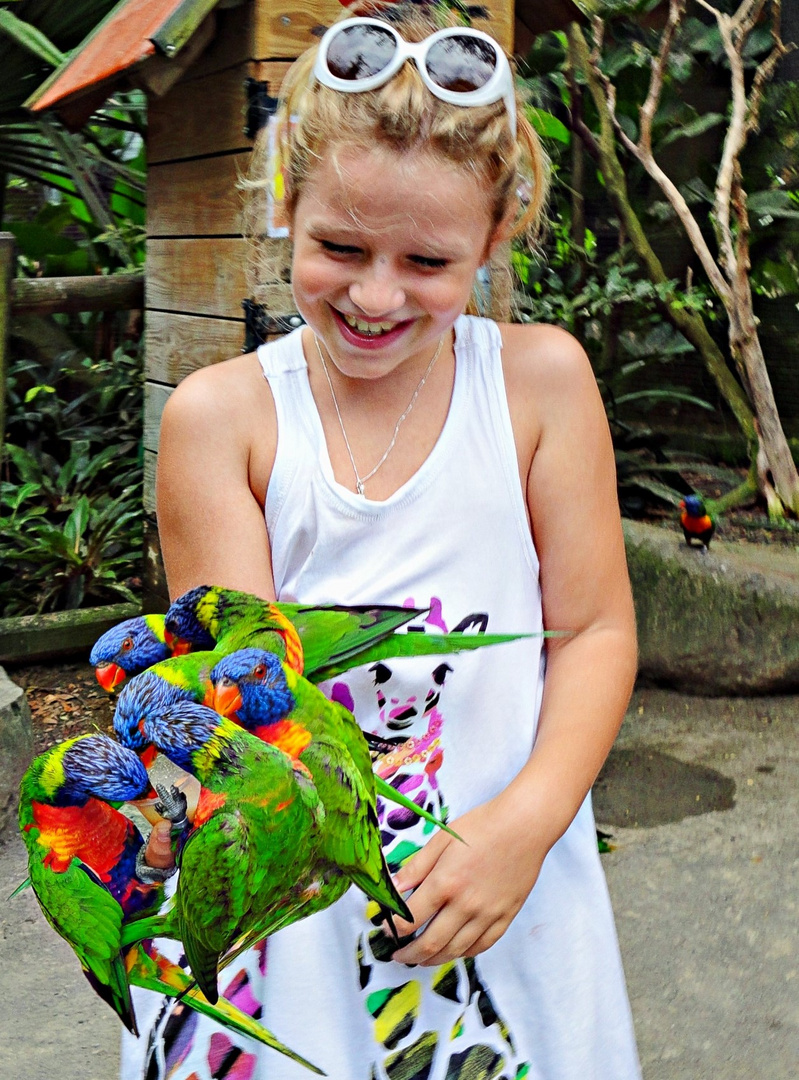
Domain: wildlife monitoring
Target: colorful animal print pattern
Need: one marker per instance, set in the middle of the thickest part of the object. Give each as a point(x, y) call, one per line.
point(176, 1032)
point(442, 1021)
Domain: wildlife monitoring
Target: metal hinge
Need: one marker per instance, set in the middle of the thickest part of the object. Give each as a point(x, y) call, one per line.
point(260, 106)
point(258, 326)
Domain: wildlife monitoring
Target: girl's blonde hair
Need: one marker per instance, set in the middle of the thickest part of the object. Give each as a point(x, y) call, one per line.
point(402, 115)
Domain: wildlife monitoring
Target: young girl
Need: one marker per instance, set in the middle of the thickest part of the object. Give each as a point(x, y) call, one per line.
point(395, 450)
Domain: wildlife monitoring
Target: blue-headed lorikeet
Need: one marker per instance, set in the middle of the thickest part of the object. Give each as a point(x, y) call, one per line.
point(256, 827)
point(128, 648)
point(83, 859)
point(696, 523)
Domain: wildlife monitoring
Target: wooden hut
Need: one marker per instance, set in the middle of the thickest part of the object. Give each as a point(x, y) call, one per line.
point(212, 69)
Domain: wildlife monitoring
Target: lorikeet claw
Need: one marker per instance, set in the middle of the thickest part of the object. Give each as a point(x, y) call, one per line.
point(151, 875)
point(172, 804)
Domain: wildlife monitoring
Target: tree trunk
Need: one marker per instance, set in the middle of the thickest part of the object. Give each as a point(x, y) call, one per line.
point(748, 354)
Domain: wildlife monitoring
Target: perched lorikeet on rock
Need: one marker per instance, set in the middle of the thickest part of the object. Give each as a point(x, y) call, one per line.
point(84, 864)
point(256, 827)
point(128, 648)
point(696, 523)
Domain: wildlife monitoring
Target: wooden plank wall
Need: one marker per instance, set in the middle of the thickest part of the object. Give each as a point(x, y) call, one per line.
point(197, 257)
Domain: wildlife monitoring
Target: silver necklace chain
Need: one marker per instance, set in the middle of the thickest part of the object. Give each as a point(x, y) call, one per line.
point(360, 481)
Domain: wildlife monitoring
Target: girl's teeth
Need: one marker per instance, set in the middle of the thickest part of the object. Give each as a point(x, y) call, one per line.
point(367, 327)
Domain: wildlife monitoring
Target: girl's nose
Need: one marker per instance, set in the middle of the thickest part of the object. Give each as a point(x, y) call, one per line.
point(377, 292)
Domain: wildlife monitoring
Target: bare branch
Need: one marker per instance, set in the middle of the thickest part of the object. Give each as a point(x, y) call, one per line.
point(735, 137)
point(649, 108)
point(642, 151)
point(765, 70)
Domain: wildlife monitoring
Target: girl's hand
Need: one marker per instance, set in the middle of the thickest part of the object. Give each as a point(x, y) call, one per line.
point(471, 891)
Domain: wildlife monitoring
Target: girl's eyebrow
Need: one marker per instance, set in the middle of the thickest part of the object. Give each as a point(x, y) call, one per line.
point(351, 234)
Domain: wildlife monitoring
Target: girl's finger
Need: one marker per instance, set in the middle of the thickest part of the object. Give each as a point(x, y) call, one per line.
point(441, 943)
point(425, 903)
point(159, 849)
point(419, 865)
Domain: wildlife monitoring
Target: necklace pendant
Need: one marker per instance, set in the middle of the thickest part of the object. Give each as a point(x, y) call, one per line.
point(360, 488)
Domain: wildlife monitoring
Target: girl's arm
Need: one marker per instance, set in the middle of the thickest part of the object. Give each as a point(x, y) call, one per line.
point(567, 466)
point(216, 451)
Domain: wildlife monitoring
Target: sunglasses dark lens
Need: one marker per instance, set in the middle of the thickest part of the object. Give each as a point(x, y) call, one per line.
point(461, 64)
point(357, 52)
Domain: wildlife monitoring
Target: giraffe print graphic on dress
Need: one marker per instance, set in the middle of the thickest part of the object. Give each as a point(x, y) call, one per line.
point(428, 1022)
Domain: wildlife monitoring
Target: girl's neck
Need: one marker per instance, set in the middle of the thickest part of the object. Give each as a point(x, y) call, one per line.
point(364, 414)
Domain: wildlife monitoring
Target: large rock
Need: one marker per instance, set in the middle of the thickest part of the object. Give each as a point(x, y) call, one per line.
point(725, 622)
point(16, 745)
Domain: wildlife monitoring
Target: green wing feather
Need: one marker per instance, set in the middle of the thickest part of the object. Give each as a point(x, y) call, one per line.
point(154, 972)
point(213, 898)
point(340, 635)
point(81, 910)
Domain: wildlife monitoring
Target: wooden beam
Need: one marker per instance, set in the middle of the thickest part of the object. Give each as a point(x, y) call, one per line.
point(286, 28)
point(199, 277)
point(106, 292)
point(150, 465)
point(176, 344)
point(155, 398)
point(204, 116)
point(41, 637)
point(200, 197)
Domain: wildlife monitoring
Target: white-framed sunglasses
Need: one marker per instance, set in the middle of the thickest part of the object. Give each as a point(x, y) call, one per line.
point(459, 65)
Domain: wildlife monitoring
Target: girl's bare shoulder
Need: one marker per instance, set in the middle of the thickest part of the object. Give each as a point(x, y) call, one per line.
point(542, 358)
point(230, 387)
point(227, 410)
point(548, 377)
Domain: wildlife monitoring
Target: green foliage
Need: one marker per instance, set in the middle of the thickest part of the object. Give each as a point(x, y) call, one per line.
point(615, 313)
point(70, 493)
point(588, 281)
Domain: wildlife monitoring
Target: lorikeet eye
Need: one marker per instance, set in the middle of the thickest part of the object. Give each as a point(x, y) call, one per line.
point(259, 671)
point(127, 644)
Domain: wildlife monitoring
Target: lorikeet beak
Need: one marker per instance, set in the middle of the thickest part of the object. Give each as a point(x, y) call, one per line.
point(682, 504)
point(178, 646)
point(148, 756)
point(109, 675)
point(227, 698)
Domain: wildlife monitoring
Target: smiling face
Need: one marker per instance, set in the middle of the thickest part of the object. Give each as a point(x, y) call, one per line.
point(386, 247)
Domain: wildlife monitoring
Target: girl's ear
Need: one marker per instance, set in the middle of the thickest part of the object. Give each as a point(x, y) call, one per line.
point(500, 233)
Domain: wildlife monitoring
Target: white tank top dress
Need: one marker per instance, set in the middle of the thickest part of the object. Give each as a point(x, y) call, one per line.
point(548, 1000)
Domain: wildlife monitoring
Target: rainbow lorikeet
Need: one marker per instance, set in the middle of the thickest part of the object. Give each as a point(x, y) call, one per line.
point(256, 827)
point(85, 869)
point(305, 637)
point(333, 639)
point(282, 708)
point(696, 523)
point(128, 648)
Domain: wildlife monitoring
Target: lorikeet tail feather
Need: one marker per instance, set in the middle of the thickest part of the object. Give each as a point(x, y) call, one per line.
point(390, 794)
point(26, 884)
point(203, 963)
point(396, 645)
point(116, 992)
point(155, 972)
point(385, 894)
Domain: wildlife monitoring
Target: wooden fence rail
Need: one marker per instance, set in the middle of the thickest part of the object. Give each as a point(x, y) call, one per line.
point(48, 296)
